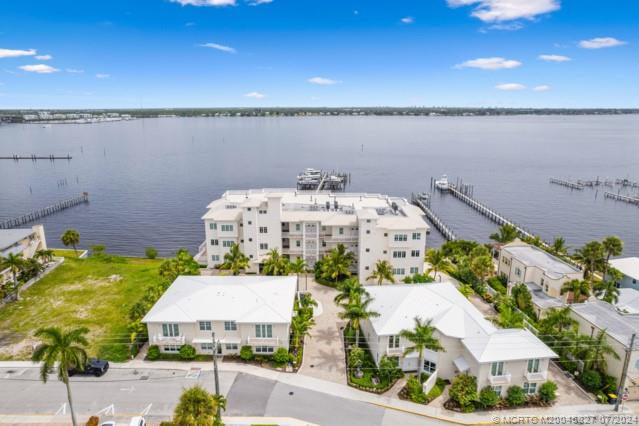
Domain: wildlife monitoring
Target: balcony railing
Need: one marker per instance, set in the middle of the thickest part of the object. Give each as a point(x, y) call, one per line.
point(536, 376)
point(168, 340)
point(394, 351)
point(503, 379)
point(275, 341)
point(341, 238)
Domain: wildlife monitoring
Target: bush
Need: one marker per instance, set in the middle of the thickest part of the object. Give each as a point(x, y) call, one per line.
point(548, 391)
point(488, 398)
point(497, 284)
point(167, 423)
point(389, 369)
point(281, 356)
point(464, 392)
point(608, 383)
point(246, 353)
point(98, 249)
point(187, 352)
point(415, 390)
point(153, 353)
point(93, 421)
point(516, 396)
point(151, 252)
point(591, 379)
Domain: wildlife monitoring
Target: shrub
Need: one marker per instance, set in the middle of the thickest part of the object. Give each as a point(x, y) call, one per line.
point(151, 252)
point(356, 358)
point(153, 353)
point(93, 421)
point(591, 380)
point(98, 249)
point(464, 392)
point(608, 383)
point(415, 390)
point(488, 398)
point(548, 391)
point(165, 423)
point(388, 369)
point(187, 352)
point(281, 356)
point(246, 353)
point(516, 396)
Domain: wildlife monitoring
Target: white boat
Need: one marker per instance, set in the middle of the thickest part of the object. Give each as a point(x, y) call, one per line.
point(442, 183)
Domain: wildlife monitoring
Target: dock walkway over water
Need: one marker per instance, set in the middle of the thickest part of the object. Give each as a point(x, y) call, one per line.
point(34, 157)
point(571, 185)
point(49, 210)
point(624, 198)
point(434, 219)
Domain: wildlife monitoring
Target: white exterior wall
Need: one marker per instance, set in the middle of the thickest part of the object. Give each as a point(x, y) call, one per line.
point(28, 248)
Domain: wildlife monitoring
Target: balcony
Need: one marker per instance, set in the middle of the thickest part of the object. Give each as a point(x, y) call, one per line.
point(159, 339)
point(395, 351)
point(503, 379)
point(538, 376)
point(341, 238)
point(267, 341)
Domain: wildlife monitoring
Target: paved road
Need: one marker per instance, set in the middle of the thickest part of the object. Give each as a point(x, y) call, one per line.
point(122, 393)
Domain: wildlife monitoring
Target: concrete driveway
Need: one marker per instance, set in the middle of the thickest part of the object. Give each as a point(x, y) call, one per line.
point(323, 349)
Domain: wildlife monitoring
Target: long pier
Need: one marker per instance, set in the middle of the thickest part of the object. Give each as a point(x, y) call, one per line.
point(435, 220)
point(571, 185)
point(34, 157)
point(627, 182)
point(49, 210)
point(624, 198)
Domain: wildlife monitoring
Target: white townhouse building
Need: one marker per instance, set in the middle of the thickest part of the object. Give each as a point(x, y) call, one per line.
point(497, 357)
point(308, 224)
point(241, 310)
point(24, 241)
point(543, 273)
point(629, 268)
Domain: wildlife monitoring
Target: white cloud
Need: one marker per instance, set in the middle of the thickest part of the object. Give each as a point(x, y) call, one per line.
point(601, 42)
point(255, 95)
point(190, 24)
point(102, 76)
point(554, 58)
point(509, 87)
point(259, 2)
point(494, 63)
point(213, 3)
point(507, 10)
point(511, 26)
point(39, 69)
point(74, 71)
point(44, 57)
point(408, 20)
point(219, 47)
point(542, 88)
point(9, 53)
point(322, 81)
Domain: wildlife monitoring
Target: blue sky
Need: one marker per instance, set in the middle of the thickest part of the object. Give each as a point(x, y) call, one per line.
point(208, 53)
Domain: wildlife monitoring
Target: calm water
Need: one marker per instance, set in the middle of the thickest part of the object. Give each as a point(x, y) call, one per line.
point(150, 180)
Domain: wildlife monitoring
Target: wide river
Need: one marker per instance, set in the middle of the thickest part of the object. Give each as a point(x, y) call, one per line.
point(150, 180)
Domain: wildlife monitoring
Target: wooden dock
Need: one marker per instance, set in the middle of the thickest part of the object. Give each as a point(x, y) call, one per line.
point(49, 210)
point(568, 184)
point(624, 198)
point(627, 182)
point(34, 157)
point(434, 219)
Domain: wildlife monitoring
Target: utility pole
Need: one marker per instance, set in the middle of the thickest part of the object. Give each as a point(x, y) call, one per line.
point(622, 381)
point(217, 378)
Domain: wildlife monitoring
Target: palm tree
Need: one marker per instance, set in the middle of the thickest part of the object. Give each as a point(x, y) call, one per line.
point(298, 266)
point(558, 246)
point(337, 263)
point(383, 271)
point(197, 407)
point(220, 402)
point(578, 289)
point(466, 290)
point(438, 262)
point(61, 350)
point(44, 255)
point(355, 311)
point(506, 234)
point(235, 261)
point(598, 352)
point(591, 256)
point(15, 263)
point(612, 246)
point(348, 290)
point(301, 326)
point(275, 264)
point(607, 291)
point(71, 237)
point(509, 318)
point(556, 321)
point(482, 266)
point(422, 337)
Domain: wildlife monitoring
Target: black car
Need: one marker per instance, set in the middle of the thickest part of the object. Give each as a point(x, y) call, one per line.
point(94, 366)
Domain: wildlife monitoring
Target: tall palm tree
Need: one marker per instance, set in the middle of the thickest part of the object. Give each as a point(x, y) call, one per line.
point(220, 403)
point(349, 289)
point(44, 255)
point(598, 352)
point(591, 256)
point(337, 263)
point(556, 321)
point(235, 261)
point(355, 311)
point(612, 246)
point(383, 271)
point(61, 350)
point(197, 407)
point(506, 234)
point(298, 266)
point(509, 318)
point(422, 337)
point(275, 264)
point(578, 289)
point(15, 263)
point(607, 291)
point(558, 246)
point(482, 267)
point(301, 326)
point(71, 237)
point(438, 262)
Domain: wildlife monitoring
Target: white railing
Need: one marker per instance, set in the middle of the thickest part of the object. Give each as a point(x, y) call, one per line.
point(430, 382)
point(168, 340)
point(503, 379)
point(536, 376)
point(263, 340)
point(394, 351)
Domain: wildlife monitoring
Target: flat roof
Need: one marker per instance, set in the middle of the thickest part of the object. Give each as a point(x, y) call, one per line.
point(507, 345)
point(9, 237)
point(243, 299)
point(628, 301)
point(533, 256)
point(605, 316)
point(628, 266)
point(541, 299)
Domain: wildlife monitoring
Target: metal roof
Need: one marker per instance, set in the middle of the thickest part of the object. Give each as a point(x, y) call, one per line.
point(9, 237)
point(628, 266)
point(603, 315)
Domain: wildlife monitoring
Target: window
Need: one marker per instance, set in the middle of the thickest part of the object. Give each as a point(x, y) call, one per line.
point(497, 369)
point(367, 268)
point(298, 243)
point(341, 231)
point(368, 250)
point(399, 254)
point(429, 367)
point(414, 253)
point(399, 271)
point(417, 236)
point(368, 231)
point(215, 242)
point(171, 348)
point(205, 325)
point(227, 228)
point(298, 227)
point(262, 211)
point(263, 331)
point(264, 349)
point(207, 347)
point(227, 243)
point(541, 283)
point(533, 365)
point(414, 270)
point(230, 326)
point(385, 252)
point(393, 342)
point(401, 237)
point(231, 346)
point(250, 222)
point(518, 272)
point(263, 230)
point(263, 246)
point(250, 239)
point(170, 330)
point(497, 390)
point(215, 257)
point(213, 226)
point(530, 388)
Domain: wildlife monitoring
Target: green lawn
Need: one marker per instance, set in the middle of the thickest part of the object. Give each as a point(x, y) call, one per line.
point(66, 252)
point(95, 293)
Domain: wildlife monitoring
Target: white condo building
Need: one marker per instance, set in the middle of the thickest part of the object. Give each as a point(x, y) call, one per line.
point(308, 224)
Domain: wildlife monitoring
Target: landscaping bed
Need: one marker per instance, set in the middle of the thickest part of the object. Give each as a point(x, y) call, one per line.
point(413, 392)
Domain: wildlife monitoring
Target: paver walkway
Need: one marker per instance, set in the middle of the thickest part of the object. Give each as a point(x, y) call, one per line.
point(323, 349)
